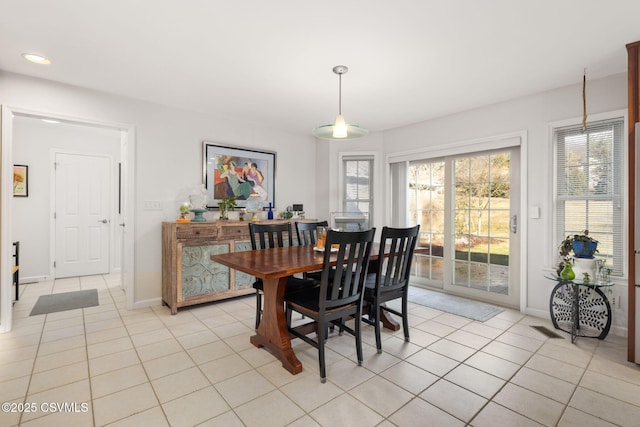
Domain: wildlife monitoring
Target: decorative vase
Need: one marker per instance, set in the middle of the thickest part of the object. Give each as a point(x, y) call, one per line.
point(198, 200)
point(254, 205)
point(585, 265)
point(270, 213)
point(223, 211)
point(567, 272)
point(198, 197)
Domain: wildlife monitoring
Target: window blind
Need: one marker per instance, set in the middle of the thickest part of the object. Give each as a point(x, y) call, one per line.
point(358, 183)
point(589, 186)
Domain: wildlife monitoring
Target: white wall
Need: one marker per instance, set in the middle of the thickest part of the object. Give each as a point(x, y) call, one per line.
point(532, 114)
point(33, 141)
point(169, 156)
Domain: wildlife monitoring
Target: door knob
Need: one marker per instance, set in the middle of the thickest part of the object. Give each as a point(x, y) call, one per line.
point(104, 221)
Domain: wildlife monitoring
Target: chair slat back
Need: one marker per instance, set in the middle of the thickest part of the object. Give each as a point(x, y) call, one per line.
point(265, 236)
point(306, 231)
point(344, 285)
point(394, 272)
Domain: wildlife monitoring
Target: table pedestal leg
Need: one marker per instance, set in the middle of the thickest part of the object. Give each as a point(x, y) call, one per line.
point(385, 317)
point(387, 320)
point(272, 332)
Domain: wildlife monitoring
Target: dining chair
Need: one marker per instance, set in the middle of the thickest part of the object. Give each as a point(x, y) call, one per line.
point(306, 231)
point(390, 278)
point(307, 235)
point(264, 236)
point(339, 295)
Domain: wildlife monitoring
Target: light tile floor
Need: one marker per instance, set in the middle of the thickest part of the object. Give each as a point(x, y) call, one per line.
point(106, 365)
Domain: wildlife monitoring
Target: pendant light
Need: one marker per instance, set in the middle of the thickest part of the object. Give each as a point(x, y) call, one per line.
point(340, 129)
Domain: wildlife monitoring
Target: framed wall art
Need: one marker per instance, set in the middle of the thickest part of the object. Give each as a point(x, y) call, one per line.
point(20, 181)
point(238, 172)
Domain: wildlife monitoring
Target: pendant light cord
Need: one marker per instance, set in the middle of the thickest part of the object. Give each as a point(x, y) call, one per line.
point(584, 100)
point(340, 93)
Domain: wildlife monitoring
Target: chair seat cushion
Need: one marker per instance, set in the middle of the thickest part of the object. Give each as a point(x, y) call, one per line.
point(293, 285)
point(317, 275)
point(370, 285)
point(309, 299)
point(387, 292)
point(314, 275)
point(370, 282)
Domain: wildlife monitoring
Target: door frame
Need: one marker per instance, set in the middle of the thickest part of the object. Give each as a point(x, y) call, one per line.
point(127, 156)
point(514, 209)
point(507, 140)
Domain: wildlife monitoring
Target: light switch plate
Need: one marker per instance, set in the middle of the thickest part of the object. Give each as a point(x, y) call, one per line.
point(534, 212)
point(152, 205)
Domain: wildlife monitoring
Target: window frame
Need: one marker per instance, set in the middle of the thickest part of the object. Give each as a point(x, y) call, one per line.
point(621, 196)
point(358, 156)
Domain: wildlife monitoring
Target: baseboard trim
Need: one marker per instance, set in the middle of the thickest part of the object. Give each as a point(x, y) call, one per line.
point(33, 279)
point(147, 303)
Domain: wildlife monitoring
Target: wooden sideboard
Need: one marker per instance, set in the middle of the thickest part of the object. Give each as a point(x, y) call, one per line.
point(189, 276)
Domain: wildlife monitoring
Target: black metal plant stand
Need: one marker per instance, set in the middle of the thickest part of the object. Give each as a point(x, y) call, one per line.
point(580, 309)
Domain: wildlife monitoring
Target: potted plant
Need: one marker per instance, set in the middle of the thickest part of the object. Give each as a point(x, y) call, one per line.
point(184, 210)
point(580, 245)
point(225, 205)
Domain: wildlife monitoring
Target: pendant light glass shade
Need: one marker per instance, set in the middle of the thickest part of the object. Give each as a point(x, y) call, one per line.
point(340, 129)
point(326, 132)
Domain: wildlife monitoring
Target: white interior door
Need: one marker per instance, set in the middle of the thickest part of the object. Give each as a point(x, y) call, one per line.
point(82, 214)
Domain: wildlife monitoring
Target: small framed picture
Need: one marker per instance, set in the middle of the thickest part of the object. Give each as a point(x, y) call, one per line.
point(20, 181)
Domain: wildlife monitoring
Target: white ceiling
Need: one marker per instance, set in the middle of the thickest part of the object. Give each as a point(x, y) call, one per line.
point(270, 62)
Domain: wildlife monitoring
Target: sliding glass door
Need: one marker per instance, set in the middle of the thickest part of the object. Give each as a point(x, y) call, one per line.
point(467, 208)
point(427, 208)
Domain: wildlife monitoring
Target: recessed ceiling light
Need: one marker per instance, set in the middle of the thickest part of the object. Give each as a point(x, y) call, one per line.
point(37, 59)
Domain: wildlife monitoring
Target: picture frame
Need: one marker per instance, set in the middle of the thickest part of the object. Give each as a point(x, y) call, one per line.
point(20, 181)
point(230, 171)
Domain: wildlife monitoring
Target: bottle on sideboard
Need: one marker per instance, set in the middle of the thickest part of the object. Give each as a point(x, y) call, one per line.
point(270, 213)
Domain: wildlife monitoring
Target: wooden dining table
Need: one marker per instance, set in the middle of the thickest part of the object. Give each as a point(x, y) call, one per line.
point(273, 266)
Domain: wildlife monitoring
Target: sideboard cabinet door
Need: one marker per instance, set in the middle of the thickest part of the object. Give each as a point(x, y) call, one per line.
point(200, 275)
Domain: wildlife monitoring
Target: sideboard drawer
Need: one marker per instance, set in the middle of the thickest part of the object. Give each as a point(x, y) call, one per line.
point(185, 231)
point(234, 230)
